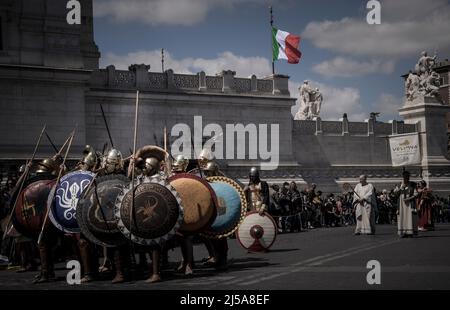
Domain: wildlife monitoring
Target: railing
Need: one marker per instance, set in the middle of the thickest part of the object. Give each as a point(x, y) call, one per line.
point(344, 127)
point(139, 77)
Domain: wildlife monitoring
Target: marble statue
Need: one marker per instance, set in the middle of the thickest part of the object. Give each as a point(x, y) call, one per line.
point(310, 102)
point(424, 82)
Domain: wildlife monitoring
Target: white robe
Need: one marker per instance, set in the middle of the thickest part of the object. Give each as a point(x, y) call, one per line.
point(364, 212)
point(406, 219)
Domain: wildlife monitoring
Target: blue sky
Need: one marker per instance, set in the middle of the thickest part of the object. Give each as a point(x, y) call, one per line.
point(357, 66)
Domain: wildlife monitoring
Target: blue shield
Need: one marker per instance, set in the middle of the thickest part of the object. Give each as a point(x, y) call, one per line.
point(66, 195)
point(231, 207)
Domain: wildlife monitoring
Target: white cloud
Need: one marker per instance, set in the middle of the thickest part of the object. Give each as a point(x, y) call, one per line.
point(388, 105)
point(400, 33)
point(336, 101)
point(244, 66)
point(345, 67)
point(155, 12)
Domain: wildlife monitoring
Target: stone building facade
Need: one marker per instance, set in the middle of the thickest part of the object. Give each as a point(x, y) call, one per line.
point(49, 74)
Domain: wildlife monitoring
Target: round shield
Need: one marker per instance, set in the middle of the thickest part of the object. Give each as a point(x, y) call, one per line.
point(232, 206)
point(156, 211)
point(31, 207)
point(95, 211)
point(257, 233)
point(199, 201)
point(66, 195)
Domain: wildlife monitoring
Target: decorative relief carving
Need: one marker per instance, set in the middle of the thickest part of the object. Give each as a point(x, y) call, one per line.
point(124, 79)
point(214, 82)
point(265, 86)
point(242, 85)
point(357, 128)
point(185, 81)
point(332, 127)
point(157, 80)
point(383, 129)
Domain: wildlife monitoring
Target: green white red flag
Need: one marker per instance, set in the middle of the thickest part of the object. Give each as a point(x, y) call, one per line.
point(285, 46)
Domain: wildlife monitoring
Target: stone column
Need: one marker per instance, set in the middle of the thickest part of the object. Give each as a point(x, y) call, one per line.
point(394, 126)
point(318, 126)
point(202, 81)
point(169, 79)
point(111, 72)
point(141, 75)
point(280, 84)
point(370, 126)
point(430, 119)
point(228, 80)
point(254, 83)
point(344, 121)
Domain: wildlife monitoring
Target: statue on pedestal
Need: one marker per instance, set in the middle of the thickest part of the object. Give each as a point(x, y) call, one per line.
point(412, 86)
point(424, 66)
point(311, 102)
point(424, 82)
point(317, 104)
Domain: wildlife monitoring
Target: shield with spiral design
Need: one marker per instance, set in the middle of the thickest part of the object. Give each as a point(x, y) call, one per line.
point(95, 211)
point(155, 213)
point(257, 233)
point(63, 200)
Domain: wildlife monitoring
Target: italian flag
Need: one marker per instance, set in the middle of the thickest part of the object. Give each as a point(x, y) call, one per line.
point(285, 46)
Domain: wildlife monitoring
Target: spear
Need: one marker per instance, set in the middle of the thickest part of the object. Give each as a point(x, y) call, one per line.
point(56, 184)
point(106, 125)
point(133, 162)
point(166, 155)
point(22, 179)
point(51, 142)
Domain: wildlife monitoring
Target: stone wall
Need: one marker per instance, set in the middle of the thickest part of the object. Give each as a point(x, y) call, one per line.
point(31, 97)
point(167, 99)
point(324, 143)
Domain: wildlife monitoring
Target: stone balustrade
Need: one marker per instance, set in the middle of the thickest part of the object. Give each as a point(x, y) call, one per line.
point(345, 127)
point(139, 77)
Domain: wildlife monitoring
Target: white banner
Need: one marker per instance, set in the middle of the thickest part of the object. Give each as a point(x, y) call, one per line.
point(405, 149)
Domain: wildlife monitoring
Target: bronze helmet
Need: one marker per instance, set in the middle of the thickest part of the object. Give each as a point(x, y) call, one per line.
point(113, 161)
point(151, 166)
point(48, 165)
point(211, 169)
point(89, 160)
point(204, 157)
point(180, 164)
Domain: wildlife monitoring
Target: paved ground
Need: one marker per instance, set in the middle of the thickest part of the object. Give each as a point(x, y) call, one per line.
point(329, 258)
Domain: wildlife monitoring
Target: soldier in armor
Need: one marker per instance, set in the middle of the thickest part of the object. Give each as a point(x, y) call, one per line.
point(113, 163)
point(89, 260)
point(217, 248)
point(180, 165)
point(257, 192)
point(49, 166)
point(148, 162)
point(89, 161)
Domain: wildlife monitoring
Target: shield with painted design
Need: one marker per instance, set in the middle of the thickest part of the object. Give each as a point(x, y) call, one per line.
point(232, 206)
point(199, 201)
point(63, 200)
point(31, 207)
point(154, 215)
point(257, 233)
point(95, 210)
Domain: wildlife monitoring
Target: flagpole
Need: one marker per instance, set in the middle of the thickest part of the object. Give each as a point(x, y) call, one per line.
point(162, 60)
point(271, 38)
